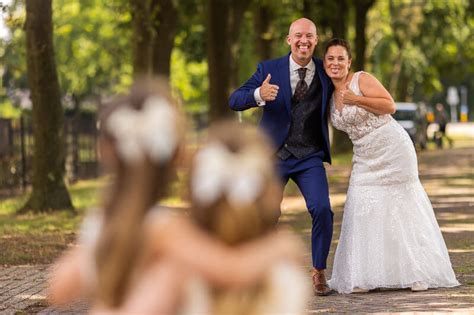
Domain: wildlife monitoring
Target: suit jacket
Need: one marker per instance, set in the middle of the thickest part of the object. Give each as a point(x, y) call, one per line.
point(276, 119)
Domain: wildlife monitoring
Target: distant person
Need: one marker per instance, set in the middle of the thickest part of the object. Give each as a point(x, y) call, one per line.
point(441, 118)
point(235, 197)
point(389, 236)
point(293, 92)
point(135, 257)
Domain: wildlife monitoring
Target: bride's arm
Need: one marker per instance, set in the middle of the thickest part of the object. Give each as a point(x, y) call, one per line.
point(375, 98)
point(179, 239)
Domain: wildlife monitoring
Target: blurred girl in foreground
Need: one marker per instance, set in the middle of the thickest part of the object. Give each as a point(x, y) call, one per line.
point(235, 194)
point(133, 256)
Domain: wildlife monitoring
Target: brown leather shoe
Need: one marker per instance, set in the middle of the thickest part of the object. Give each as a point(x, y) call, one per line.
point(320, 285)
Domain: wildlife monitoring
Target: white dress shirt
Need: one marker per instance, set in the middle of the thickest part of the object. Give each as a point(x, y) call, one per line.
point(294, 78)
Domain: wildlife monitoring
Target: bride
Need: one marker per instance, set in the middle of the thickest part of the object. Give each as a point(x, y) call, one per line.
point(389, 237)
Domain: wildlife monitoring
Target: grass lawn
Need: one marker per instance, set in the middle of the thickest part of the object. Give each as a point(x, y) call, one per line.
point(40, 238)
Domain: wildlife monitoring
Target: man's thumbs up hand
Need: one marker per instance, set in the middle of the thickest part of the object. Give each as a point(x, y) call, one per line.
point(268, 91)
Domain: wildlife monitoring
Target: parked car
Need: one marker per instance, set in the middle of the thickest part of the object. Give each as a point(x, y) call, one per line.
point(412, 118)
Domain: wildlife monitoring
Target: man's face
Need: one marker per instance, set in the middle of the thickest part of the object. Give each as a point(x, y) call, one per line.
point(303, 39)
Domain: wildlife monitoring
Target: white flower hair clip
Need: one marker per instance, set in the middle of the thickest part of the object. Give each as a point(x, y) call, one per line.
point(217, 172)
point(150, 131)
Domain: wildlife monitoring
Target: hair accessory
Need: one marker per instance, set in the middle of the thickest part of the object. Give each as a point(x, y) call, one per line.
point(218, 171)
point(150, 131)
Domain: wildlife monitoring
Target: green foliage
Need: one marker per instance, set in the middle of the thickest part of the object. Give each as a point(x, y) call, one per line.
point(7, 110)
point(286, 11)
point(189, 78)
point(14, 51)
point(91, 40)
point(191, 35)
point(247, 59)
point(92, 46)
point(432, 40)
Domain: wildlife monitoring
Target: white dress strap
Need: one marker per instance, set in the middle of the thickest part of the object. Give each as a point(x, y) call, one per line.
point(354, 84)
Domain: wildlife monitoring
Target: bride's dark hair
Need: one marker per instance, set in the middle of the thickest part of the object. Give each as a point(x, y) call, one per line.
point(339, 42)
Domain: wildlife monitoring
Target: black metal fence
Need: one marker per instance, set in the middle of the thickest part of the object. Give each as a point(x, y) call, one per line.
point(16, 150)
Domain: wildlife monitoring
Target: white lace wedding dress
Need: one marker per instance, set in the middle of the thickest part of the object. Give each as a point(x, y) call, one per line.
point(389, 236)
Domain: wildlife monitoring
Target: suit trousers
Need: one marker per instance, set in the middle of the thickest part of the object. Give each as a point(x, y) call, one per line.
point(309, 175)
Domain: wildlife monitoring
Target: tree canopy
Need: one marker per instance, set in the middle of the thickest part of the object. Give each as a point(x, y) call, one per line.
point(417, 48)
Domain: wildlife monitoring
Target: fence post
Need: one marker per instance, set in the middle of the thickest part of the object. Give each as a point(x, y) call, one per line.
point(23, 152)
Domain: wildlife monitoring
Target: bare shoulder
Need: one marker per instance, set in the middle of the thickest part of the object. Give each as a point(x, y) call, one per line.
point(367, 78)
point(371, 86)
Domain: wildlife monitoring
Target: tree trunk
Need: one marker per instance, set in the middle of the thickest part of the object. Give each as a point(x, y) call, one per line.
point(49, 191)
point(75, 136)
point(264, 37)
point(339, 21)
point(402, 94)
point(405, 19)
point(396, 72)
point(322, 12)
point(397, 67)
point(219, 58)
point(142, 37)
point(164, 16)
point(328, 14)
point(340, 141)
point(362, 8)
point(237, 14)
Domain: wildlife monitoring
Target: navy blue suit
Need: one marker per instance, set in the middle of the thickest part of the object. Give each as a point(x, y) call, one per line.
point(307, 172)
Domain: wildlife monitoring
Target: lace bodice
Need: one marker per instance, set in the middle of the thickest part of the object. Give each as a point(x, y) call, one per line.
point(354, 120)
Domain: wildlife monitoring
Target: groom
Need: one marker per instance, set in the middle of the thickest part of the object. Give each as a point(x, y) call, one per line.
point(294, 92)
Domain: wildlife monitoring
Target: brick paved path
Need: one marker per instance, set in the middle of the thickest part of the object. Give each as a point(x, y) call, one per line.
point(20, 287)
point(23, 291)
point(443, 300)
point(449, 181)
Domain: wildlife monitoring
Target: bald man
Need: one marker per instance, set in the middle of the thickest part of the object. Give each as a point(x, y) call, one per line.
point(294, 92)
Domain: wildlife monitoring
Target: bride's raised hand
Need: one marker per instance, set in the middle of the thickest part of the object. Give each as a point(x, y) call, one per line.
point(349, 97)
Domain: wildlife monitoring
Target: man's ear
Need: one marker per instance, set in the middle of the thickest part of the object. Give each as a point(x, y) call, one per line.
point(288, 39)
